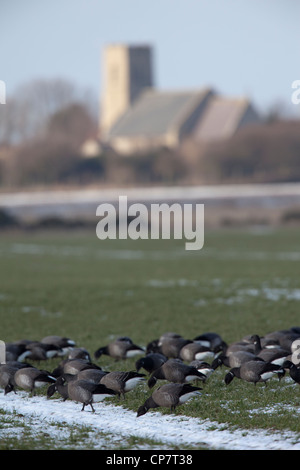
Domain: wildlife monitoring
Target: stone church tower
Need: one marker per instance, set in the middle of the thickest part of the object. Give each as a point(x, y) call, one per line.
point(127, 72)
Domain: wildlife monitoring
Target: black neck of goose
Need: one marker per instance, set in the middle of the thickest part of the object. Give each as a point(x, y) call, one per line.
point(150, 403)
point(257, 344)
point(141, 363)
point(221, 348)
point(236, 372)
point(101, 351)
point(219, 361)
point(152, 381)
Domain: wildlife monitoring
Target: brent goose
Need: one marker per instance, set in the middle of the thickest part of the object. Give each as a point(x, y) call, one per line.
point(37, 351)
point(30, 378)
point(7, 373)
point(253, 371)
point(194, 350)
point(169, 396)
point(61, 386)
point(17, 350)
point(202, 367)
point(235, 359)
point(276, 355)
point(63, 343)
point(212, 341)
point(87, 392)
point(150, 362)
point(122, 382)
point(294, 370)
point(121, 348)
point(79, 353)
point(174, 370)
point(93, 375)
point(171, 346)
point(73, 366)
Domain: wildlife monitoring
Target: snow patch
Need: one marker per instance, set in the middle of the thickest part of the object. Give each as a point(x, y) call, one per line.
point(119, 422)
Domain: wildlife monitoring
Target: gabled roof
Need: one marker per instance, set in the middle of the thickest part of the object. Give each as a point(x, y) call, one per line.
point(156, 113)
point(223, 116)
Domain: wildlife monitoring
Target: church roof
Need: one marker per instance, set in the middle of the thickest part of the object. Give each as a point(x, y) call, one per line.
point(157, 112)
point(222, 117)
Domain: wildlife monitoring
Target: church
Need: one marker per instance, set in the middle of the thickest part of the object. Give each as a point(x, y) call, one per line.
point(137, 117)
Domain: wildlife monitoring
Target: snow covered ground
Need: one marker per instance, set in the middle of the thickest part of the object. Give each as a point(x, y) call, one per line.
point(111, 425)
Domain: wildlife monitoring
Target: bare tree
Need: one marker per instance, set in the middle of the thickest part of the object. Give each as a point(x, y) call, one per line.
point(73, 124)
point(27, 112)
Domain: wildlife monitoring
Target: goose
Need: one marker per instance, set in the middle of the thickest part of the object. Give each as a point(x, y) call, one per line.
point(60, 341)
point(87, 392)
point(150, 362)
point(175, 371)
point(152, 347)
point(37, 351)
point(275, 335)
point(167, 336)
point(92, 375)
point(7, 382)
point(169, 396)
point(287, 340)
point(202, 367)
point(293, 369)
point(212, 341)
point(274, 355)
point(30, 378)
point(121, 348)
point(194, 350)
point(239, 346)
point(122, 382)
point(60, 386)
point(172, 345)
point(266, 343)
point(279, 333)
point(155, 345)
point(235, 359)
point(253, 371)
point(17, 350)
point(16, 364)
point(79, 353)
point(7, 373)
point(73, 366)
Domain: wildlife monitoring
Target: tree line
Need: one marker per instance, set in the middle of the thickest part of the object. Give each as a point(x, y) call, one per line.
point(44, 124)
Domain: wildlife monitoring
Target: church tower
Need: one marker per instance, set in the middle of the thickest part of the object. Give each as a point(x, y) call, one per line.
point(127, 70)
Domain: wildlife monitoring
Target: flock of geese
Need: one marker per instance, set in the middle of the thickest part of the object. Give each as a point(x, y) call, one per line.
point(180, 362)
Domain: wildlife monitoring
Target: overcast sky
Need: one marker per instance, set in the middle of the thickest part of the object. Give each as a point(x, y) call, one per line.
point(235, 46)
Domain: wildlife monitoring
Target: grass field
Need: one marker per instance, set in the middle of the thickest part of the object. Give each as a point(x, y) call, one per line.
point(242, 282)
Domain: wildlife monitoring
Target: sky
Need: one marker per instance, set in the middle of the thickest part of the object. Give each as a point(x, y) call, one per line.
point(236, 47)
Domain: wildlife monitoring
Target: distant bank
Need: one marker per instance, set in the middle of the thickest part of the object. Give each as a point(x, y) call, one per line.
point(257, 203)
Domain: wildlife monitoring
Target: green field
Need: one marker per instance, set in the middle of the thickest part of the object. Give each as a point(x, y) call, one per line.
point(242, 282)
